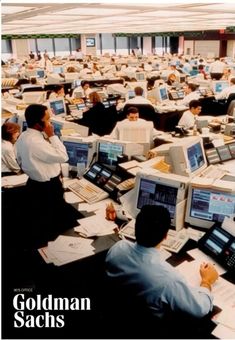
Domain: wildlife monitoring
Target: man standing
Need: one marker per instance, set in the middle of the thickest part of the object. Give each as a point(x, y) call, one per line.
point(40, 154)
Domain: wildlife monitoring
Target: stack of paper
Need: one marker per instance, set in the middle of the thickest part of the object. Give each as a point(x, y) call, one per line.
point(66, 249)
point(96, 225)
point(12, 181)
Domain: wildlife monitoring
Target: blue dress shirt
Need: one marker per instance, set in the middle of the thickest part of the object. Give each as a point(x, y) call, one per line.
point(155, 281)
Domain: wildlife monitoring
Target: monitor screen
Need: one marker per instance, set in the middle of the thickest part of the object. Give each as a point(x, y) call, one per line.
point(41, 73)
point(57, 128)
point(195, 157)
point(211, 205)
point(81, 106)
point(232, 149)
point(163, 93)
point(58, 69)
point(224, 152)
point(90, 42)
point(108, 152)
point(24, 126)
point(219, 86)
point(77, 152)
point(131, 94)
point(58, 106)
point(212, 156)
point(151, 192)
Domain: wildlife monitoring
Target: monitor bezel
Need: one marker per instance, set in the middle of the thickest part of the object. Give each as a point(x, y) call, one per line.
point(63, 114)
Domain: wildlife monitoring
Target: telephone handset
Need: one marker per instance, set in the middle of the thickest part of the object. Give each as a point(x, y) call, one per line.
point(219, 244)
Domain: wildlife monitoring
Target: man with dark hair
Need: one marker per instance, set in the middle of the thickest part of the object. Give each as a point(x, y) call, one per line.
point(133, 121)
point(40, 154)
point(188, 118)
point(190, 94)
point(138, 269)
point(139, 98)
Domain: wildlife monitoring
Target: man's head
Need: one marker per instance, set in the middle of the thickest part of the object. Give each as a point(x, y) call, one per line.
point(37, 116)
point(138, 91)
point(190, 88)
point(152, 224)
point(132, 113)
point(195, 107)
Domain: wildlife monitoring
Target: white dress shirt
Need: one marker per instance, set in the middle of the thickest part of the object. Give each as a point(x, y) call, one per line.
point(9, 163)
point(38, 158)
point(217, 67)
point(138, 100)
point(224, 94)
point(187, 120)
point(191, 96)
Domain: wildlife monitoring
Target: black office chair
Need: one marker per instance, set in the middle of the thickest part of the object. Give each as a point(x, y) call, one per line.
point(146, 112)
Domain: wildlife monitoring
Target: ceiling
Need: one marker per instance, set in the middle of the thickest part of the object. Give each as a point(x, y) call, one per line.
point(110, 17)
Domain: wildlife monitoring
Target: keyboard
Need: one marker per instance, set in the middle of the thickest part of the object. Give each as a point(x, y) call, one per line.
point(88, 191)
point(213, 171)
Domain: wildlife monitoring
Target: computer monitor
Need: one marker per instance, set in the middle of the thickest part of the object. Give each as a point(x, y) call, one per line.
point(188, 157)
point(40, 73)
point(22, 123)
point(76, 83)
point(210, 203)
point(58, 69)
point(108, 153)
point(34, 97)
point(58, 107)
point(140, 76)
point(80, 151)
point(61, 127)
point(219, 85)
point(163, 189)
point(160, 93)
point(130, 94)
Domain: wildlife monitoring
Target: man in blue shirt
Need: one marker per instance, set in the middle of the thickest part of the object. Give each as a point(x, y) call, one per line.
point(139, 268)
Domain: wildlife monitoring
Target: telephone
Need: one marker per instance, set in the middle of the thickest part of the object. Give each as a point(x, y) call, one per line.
point(219, 244)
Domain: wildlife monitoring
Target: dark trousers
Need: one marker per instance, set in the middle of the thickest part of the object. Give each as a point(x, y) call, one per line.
point(216, 76)
point(47, 214)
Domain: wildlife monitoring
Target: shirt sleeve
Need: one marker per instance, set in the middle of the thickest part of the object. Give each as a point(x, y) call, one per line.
point(52, 152)
point(9, 158)
point(192, 300)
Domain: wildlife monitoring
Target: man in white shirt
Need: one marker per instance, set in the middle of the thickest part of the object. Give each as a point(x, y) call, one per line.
point(40, 154)
point(190, 94)
point(216, 69)
point(46, 64)
point(138, 99)
point(224, 94)
point(133, 121)
point(188, 118)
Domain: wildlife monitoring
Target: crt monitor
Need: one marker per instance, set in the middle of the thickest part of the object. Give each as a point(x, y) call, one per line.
point(163, 189)
point(62, 127)
point(160, 93)
point(219, 85)
point(80, 151)
point(58, 107)
point(140, 76)
point(108, 153)
point(40, 73)
point(130, 94)
point(209, 204)
point(188, 157)
point(58, 69)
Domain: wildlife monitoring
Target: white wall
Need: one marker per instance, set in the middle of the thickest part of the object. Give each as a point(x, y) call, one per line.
point(205, 47)
point(231, 48)
point(147, 45)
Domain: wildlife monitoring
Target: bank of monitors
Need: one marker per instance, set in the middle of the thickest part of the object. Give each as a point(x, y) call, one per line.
point(58, 107)
point(80, 151)
point(219, 85)
point(167, 190)
point(210, 203)
point(221, 153)
point(188, 158)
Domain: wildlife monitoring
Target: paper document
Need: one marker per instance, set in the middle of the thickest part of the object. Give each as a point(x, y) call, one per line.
point(95, 226)
point(198, 255)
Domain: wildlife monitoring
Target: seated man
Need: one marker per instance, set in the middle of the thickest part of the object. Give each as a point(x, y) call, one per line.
point(188, 118)
point(133, 121)
point(138, 99)
point(138, 270)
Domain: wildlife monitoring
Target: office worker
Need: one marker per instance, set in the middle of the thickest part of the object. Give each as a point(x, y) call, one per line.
point(40, 158)
point(138, 99)
point(224, 94)
point(57, 91)
point(138, 269)
point(10, 133)
point(84, 89)
point(216, 69)
point(188, 118)
point(190, 94)
point(132, 120)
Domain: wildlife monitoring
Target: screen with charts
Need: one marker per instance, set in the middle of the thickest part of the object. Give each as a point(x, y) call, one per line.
point(58, 107)
point(154, 193)
point(195, 157)
point(108, 153)
point(77, 152)
point(211, 205)
point(163, 93)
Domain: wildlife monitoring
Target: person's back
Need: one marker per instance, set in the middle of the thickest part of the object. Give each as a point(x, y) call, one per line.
point(139, 269)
